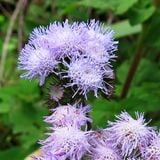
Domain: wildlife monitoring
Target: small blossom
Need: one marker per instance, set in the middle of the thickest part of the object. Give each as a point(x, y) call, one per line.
point(87, 76)
point(63, 39)
point(69, 115)
point(37, 61)
point(66, 142)
point(129, 134)
point(103, 152)
point(99, 42)
point(56, 92)
point(152, 152)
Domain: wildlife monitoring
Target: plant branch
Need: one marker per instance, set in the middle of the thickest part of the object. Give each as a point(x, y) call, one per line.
point(7, 38)
point(133, 67)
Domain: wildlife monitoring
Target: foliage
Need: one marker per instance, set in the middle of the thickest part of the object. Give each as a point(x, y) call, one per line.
point(22, 104)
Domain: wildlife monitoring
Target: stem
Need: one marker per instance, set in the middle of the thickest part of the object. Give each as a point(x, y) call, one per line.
point(133, 67)
point(8, 37)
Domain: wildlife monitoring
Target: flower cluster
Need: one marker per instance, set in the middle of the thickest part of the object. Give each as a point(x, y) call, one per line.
point(66, 139)
point(127, 138)
point(81, 52)
point(131, 135)
point(80, 55)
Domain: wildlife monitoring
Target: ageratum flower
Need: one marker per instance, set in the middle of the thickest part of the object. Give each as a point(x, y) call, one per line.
point(63, 39)
point(57, 42)
point(69, 115)
point(130, 134)
point(152, 152)
point(66, 142)
point(86, 75)
point(104, 152)
point(37, 61)
point(99, 42)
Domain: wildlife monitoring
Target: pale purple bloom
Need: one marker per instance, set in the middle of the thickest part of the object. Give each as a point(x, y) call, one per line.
point(37, 61)
point(68, 115)
point(152, 152)
point(130, 134)
point(86, 75)
point(63, 39)
point(66, 142)
point(50, 45)
point(104, 152)
point(99, 43)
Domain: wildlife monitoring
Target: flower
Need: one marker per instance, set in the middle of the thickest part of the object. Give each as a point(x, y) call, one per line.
point(99, 42)
point(130, 134)
point(56, 92)
point(152, 152)
point(104, 152)
point(37, 61)
point(69, 115)
point(63, 39)
point(87, 76)
point(66, 142)
point(77, 43)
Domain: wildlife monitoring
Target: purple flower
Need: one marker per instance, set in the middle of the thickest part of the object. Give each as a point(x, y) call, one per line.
point(129, 134)
point(152, 152)
point(51, 45)
point(99, 44)
point(87, 76)
point(69, 115)
point(37, 61)
point(63, 39)
point(66, 142)
point(104, 152)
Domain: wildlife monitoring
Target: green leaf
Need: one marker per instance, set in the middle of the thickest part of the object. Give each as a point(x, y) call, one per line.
point(124, 28)
point(118, 7)
point(15, 153)
point(4, 107)
point(141, 11)
point(121, 6)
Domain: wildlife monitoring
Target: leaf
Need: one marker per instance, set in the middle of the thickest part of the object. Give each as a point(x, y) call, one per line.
point(121, 6)
point(141, 11)
point(123, 29)
point(15, 153)
point(118, 7)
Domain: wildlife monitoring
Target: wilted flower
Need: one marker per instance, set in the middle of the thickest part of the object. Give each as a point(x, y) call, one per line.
point(69, 115)
point(56, 92)
point(129, 134)
point(152, 152)
point(86, 75)
point(66, 142)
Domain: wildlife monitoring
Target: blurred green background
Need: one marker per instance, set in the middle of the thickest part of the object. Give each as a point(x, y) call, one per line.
point(137, 85)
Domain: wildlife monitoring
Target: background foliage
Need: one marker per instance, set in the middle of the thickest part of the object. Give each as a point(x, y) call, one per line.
point(22, 103)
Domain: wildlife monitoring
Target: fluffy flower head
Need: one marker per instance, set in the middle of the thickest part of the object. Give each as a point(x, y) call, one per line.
point(37, 61)
point(87, 76)
point(129, 134)
point(103, 152)
point(68, 142)
point(152, 152)
point(69, 115)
